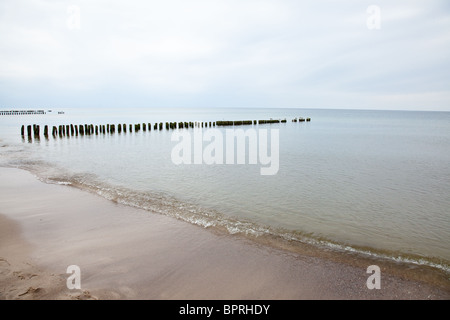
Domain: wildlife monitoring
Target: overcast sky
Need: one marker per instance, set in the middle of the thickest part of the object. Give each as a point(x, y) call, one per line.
point(225, 53)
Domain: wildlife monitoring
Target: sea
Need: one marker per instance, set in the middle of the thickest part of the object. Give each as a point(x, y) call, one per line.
point(369, 182)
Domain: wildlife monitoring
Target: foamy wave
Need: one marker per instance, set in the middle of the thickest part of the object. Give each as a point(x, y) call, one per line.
point(346, 248)
point(206, 218)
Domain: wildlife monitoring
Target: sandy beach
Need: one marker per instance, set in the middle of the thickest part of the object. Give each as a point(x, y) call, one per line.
point(128, 253)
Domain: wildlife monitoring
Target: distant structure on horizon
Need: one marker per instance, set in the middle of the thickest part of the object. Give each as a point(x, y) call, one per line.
point(20, 112)
point(25, 112)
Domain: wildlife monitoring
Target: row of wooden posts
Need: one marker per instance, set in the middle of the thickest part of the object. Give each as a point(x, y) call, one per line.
point(90, 129)
point(246, 122)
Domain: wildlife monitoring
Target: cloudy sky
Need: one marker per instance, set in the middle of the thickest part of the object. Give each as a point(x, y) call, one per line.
point(226, 53)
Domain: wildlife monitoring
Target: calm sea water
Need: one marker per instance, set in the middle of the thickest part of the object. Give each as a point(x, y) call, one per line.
point(375, 182)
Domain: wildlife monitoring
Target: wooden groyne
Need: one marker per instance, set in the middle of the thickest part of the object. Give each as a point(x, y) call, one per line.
point(249, 122)
point(301, 120)
point(74, 130)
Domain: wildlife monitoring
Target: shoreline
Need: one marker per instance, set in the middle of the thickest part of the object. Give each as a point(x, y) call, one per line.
point(129, 253)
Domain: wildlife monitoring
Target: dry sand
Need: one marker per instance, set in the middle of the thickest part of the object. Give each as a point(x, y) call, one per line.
point(128, 253)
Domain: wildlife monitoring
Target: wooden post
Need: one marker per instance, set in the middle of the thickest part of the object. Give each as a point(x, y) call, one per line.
point(96, 130)
point(131, 128)
point(76, 130)
point(119, 128)
point(155, 126)
point(46, 131)
point(149, 126)
point(22, 130)
point(81, 130)
point(144, 127)
point(54, 132)
point(107, 128)
point(124, 128)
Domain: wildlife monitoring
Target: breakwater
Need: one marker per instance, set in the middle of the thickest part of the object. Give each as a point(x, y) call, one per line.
point(90, 129)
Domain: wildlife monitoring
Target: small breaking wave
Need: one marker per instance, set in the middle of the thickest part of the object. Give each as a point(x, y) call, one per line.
point(167, 205)
point(208, 218)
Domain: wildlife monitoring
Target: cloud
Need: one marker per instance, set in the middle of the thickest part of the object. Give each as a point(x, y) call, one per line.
point(251, 53)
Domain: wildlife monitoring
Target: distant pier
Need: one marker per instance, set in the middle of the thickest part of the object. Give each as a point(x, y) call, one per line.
point(27, 112)
point(20, 112)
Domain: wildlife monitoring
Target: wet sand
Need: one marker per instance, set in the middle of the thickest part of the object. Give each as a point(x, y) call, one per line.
point(128, 253)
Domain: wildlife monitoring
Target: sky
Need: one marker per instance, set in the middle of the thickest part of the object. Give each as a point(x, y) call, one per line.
point(392, 55)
